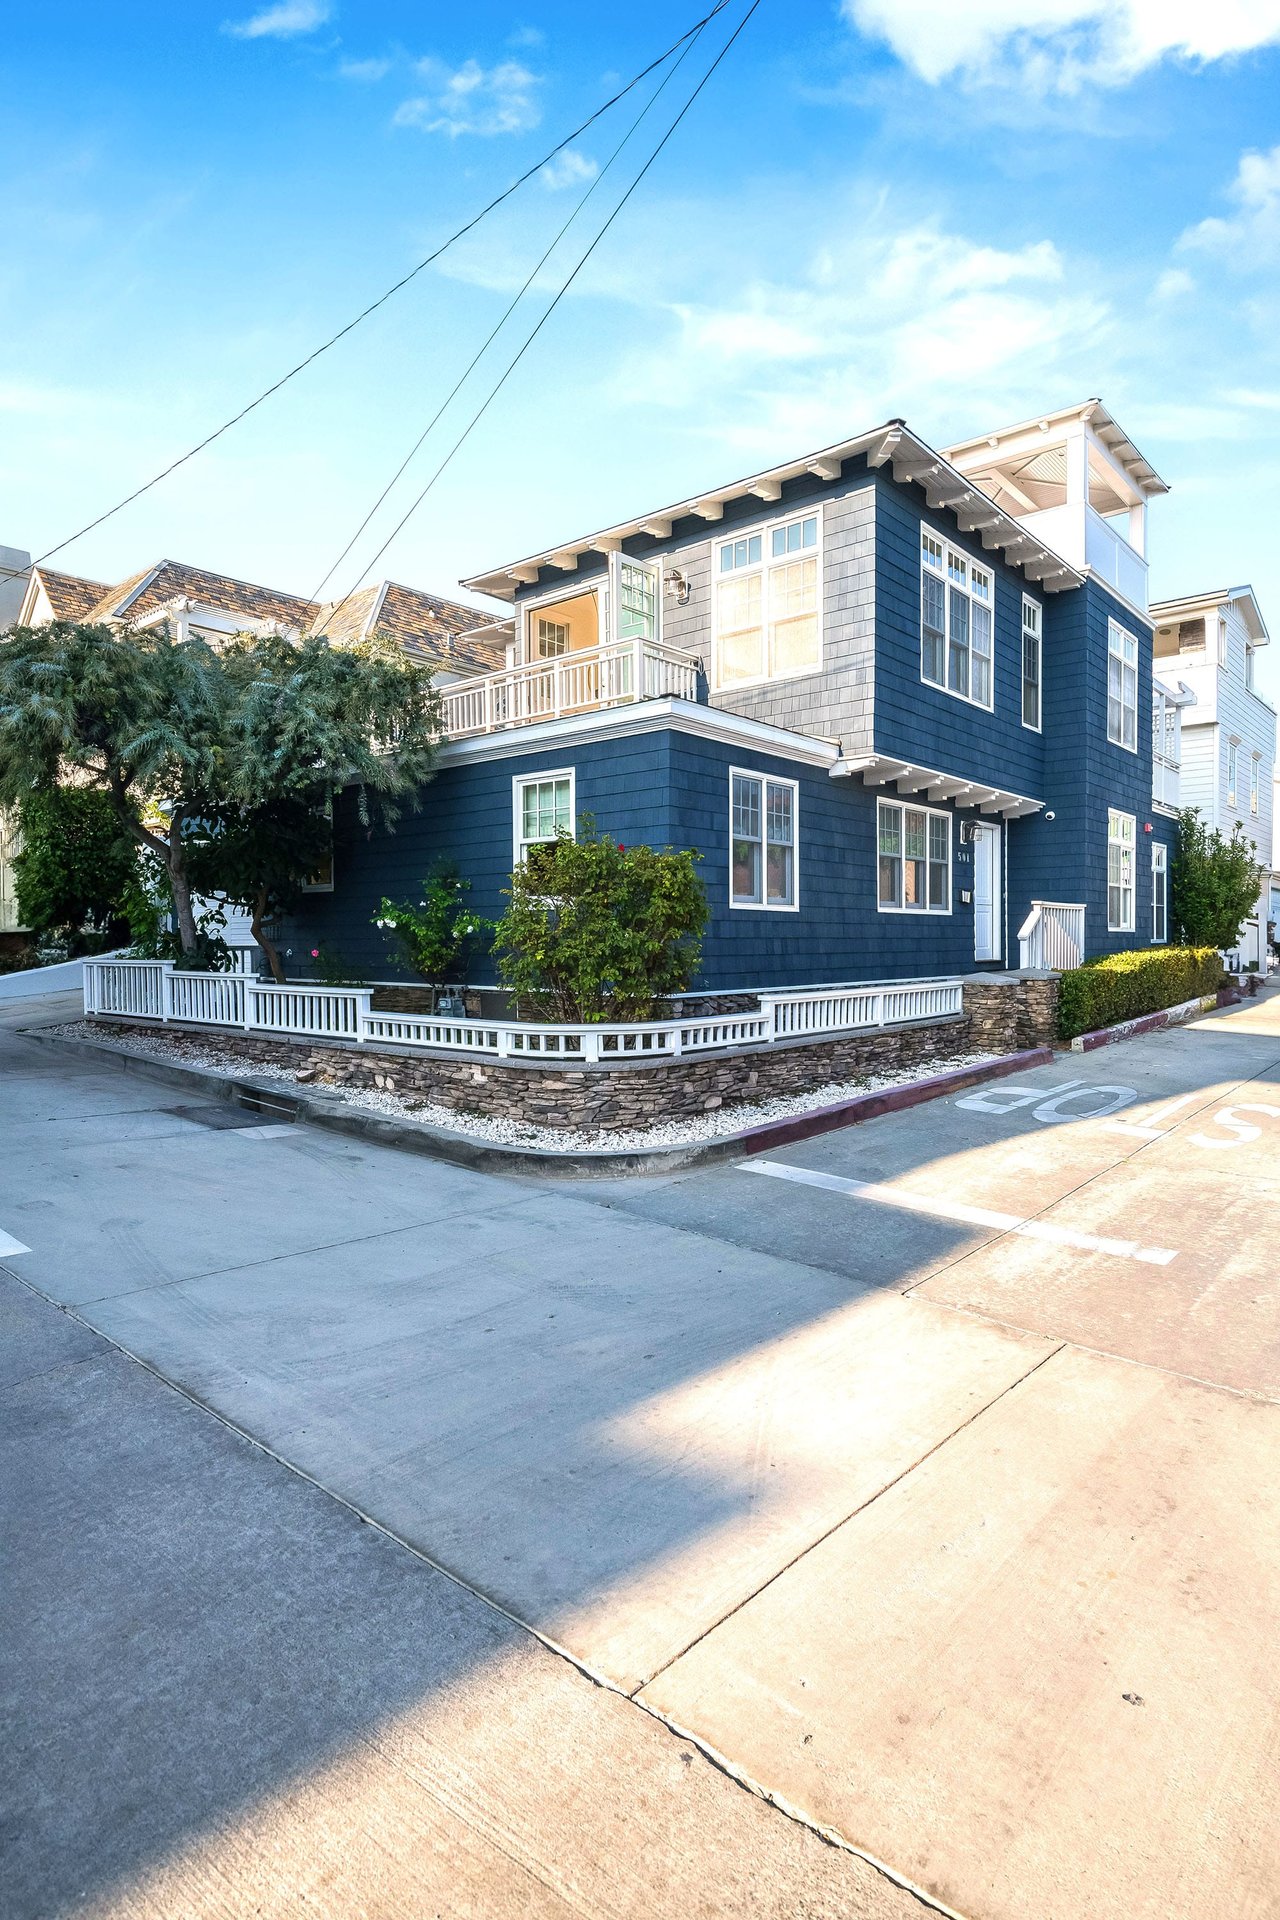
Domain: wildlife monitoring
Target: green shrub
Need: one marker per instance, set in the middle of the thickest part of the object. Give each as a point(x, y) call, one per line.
point(1214, 883)
point(76, 869)
point(598, 931)
point(439, 933)
point(1123, 986)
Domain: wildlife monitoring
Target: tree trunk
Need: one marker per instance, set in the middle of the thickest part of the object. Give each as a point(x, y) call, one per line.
point(181, 889)
point(268, 947)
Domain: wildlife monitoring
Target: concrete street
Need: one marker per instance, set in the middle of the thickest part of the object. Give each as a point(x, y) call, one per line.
point(928, 1473)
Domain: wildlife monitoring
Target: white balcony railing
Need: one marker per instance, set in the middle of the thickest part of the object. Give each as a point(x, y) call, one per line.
point(613, 675)
point(1166, 746)
point(153, 990)
point(1052, 935)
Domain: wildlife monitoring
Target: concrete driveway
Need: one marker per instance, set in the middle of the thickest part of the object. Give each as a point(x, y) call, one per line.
point(926, 1471)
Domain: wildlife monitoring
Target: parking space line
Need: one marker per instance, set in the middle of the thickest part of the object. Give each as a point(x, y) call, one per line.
point(9, 1245)
point(958, 1210)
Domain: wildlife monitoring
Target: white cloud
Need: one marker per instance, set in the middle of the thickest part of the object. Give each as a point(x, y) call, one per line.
point(1251, 235)
point(569, 169)
point(1062, 44)
point(284, 21)
point(473, 99)
point(1173, 283)
point(526, 37)
point(365, 71)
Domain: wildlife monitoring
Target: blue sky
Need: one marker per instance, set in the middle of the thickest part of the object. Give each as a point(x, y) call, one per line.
point(964, 214)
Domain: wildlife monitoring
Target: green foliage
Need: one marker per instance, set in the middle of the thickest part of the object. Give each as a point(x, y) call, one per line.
point(1123, 986)
point(330, 969)
point(77, 869)
point(1213, 883)
point(438, 934)
point(259, 858)
point(598, 931)
point(228, 735)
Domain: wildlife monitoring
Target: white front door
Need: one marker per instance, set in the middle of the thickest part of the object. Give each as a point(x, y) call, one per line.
point(987, 904)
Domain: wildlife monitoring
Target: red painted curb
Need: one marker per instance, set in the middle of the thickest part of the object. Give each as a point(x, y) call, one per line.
point(869, 1106)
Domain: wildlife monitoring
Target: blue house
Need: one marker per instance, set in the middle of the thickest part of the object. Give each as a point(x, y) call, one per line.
point(900, 701)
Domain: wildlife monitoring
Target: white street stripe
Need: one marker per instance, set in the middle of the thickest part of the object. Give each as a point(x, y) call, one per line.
point(9, 1245)
point(957, 1210)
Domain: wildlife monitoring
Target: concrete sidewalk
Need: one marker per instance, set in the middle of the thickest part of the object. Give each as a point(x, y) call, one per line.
point(928, 1476)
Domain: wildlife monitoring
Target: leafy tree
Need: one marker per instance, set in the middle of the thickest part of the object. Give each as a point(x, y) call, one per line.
point(245, 738)
point(135, 716)
point(437, 932)
point(77, 872)
point(598, 931)
point(259, 858)
point(1214, 883)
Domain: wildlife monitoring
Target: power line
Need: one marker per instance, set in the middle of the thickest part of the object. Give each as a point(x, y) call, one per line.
point(382, 299)
point(535, 271)
point(563, 289)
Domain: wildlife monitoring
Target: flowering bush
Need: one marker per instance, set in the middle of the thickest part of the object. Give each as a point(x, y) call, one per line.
point(438, 932)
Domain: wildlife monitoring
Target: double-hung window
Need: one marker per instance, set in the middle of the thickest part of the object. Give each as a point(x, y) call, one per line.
point(1122, 687)
point(544, 808)
point(1159, 894)
point(766, 603)
point(914, 859)
point(762, 841)
point(1031, 662)
point(1121, 838)
point(956, 601)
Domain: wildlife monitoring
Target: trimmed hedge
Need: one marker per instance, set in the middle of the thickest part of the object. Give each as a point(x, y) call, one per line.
point(1123, 986)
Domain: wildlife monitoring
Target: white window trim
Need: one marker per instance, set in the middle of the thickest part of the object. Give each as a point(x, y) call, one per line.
point(907, 805)
point(1114, 626)
point(766, 529)
point(599, 585)
point(1029, 600)
point(1159, 864)
point(1255, 784)
point(519, 781)
point(939, 686)
point(767, 780)
point(1131, 924)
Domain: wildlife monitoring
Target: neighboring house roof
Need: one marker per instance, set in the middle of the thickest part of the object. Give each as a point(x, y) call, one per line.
point(171, 579)
point(893, 444)
point(70, 596)
point(437, 632)
point(1187, 605)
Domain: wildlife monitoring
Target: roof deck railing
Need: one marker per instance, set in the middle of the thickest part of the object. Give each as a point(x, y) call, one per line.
point(612, 675)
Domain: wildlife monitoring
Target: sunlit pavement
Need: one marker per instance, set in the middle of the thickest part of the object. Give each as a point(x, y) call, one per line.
point(927, 1472)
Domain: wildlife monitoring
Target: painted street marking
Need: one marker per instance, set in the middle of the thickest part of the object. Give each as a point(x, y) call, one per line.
point(1052, 1105)
point(1155, 1127)
point(886, 1196)
point(1239, 1131)
point(9, 1245)
point(271, 1132)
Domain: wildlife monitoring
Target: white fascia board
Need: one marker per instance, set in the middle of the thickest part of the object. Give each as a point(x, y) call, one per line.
point(907, 778)
point(645, 716)
point(119, 606)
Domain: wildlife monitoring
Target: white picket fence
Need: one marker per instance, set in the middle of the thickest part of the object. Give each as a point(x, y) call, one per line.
point(153, 990)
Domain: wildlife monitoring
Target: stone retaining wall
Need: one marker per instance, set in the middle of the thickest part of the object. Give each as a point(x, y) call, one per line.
point(998, 1013)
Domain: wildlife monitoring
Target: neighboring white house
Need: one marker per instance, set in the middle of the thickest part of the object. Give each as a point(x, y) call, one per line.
point(1208, 642)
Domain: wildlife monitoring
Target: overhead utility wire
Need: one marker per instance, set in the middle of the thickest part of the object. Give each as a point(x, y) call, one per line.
point(465, 375)
point(382, 299)
point(518, 357)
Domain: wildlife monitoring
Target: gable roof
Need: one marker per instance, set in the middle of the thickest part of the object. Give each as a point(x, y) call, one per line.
point(892, 444)
point(70, 596)
point(173, 579)
point(1164, 613)
point(435, 631)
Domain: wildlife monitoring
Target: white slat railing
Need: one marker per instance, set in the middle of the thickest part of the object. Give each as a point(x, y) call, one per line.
point(1052, 935)
point(612, 675)
point(155, 990)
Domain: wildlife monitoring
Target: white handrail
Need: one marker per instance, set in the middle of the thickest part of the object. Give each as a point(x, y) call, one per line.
point(1052, 935)
point(147, 990)
point(614, 674)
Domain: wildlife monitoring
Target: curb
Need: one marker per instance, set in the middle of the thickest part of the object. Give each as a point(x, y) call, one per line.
point(280, 1100)
point(1151, 1022)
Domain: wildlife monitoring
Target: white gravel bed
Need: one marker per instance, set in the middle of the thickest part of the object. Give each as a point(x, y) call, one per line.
point(204, 1051)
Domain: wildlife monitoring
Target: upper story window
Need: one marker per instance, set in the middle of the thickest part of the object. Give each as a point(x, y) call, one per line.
point(766, 603)
point(1122, 687)
point(543, 804)
point(956, 600)
point(1031, 662)
point(762, 837)
point(553, 639)
point(914, 859)
point(1159, 894)
point(1122, 830)
point(637, 601)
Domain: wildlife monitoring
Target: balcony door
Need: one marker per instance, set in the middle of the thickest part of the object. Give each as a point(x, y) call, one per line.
point(988, 902)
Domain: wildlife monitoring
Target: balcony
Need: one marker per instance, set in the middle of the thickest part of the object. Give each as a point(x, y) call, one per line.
point(594, 678)
point(1166, 745)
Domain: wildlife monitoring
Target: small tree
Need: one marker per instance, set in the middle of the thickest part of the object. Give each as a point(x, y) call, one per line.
point(1214, 883)
point(259, 858)
point(438, 932)
point(598, 931)
point(77, 871)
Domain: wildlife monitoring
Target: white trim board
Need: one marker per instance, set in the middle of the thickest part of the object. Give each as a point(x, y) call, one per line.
point(642, 716)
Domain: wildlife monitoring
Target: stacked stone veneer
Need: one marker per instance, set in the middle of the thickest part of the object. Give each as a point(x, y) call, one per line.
point(1002, 1014)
